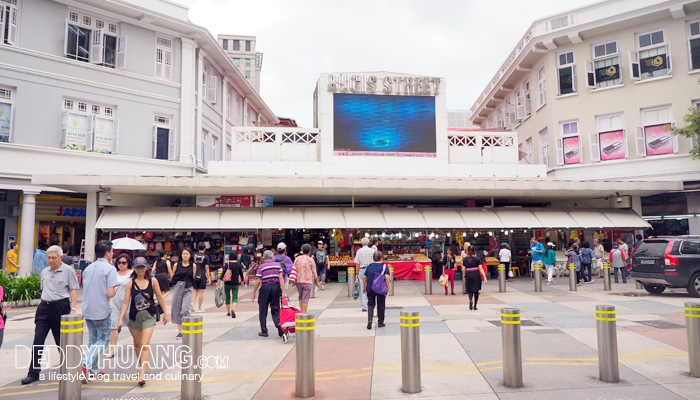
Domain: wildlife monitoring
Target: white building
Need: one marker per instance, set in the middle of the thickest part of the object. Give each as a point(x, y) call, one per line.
point(592, 92)
point(242, 51)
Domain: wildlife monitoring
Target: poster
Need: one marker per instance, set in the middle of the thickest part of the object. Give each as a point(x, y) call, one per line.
point(225, 201)
point(572, 150)
point(77, 133)
point(653, 63)
point(607, 73)
point(263, 201)
point(658, 139)
point(5, 115)
point(104, 136)
point(612, 145)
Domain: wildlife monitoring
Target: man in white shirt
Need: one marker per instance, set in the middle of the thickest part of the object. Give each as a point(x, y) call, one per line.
point(504, 256)
point(363, 258)
point(598, 253)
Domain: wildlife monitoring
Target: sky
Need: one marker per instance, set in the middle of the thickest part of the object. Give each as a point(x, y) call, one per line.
point(463, 41)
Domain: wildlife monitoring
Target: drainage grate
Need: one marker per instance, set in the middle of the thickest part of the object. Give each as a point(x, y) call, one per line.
point(660, 324)
point(524, 322)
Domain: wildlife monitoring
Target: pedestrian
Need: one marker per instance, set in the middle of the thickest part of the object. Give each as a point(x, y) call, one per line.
point(202, 279)
point(142, 291)
point(550, 260)
point(234, 273)
point(537, 253)
point(183, 275)
point(99, 286)
point(304, 274)
point(376, 268)
point(575, 259)
point(246, 261)
point(586, 261)
point(437, 263)
point(637, 242)
point(67, 258)
point(626, 251)
point(363, 258)
point(58, 297)
point(374, 247)
point(322, 262)
point(450, 267)
point(270, 280)
point(124, 271)
point(39, 261)
point(286, 262)
point(464, 254)
point(162, 269)
point(12, 258)
point(504, 256)
point(598, 253)
point(619, 264)
point(474, 272)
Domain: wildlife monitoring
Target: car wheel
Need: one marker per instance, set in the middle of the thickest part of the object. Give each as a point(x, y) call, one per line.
point(655, 289)
point(694, 285)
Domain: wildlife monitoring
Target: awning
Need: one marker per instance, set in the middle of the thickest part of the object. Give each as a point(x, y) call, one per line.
point(323, 218)
point(590, 219)
point(623, 219)
point(283, 217)
point(193, 219)
point(550, 218)
point(483, 218)
point(519, 218)
point(409, 218)
point(156, 219)
point(443, 217)
point(363, 217)
point(240, 219)
point(118, 219)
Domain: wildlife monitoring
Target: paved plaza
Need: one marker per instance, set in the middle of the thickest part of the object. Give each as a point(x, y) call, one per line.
point(460, 349)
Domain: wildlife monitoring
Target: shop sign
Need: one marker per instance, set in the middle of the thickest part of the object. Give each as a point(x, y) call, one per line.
point(104, 136)
point(654, 63)
point(658, 139)
point(226, 201)
point(371, 84)
point(60, 209)
point(76, 132)
point(263, 201)
point(612, 145)
point(5, 113)
point(572, 150)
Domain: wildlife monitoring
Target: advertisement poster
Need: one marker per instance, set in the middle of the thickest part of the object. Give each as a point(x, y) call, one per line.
point(572, 150)
point(612, 145)
point(263, 201)
point(104, 136)
point(77, 133)
point(5, 114)
point(659, 139)
point(653, 63)
point(225, 201)
point(607, 73)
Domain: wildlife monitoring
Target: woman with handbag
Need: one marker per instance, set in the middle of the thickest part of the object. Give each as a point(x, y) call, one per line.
point(450, 270)
point(474, 273)
point(376, 288)
point(232, 279)
point(124, 272)
point(183, 274)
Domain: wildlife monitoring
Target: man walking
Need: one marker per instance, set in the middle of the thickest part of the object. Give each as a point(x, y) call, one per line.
point(598, 251)
point(12, 260)
point(270, 280)
point(363, 258)
point(99, 285)
point(58, 297)
point(202, 279)
point(321, 258)
point(537, 253)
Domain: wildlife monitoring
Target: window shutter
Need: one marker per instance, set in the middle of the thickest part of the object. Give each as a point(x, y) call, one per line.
point(668, 57)
point(675, 138)
point(625, 144)
point(205, 80)
point(506, 118)
point(172, 145)
point(2, 25)
point(573, 78)
point(96, 47)
point(65, 39)
point(595, 146)
point(115, 137)
point(91, 134)
point(155, 142)
point(560, 152)
point(12, 23)
point(160, 55)
point(634, 65)
point(64, 130)
point(211, 92)
point(121, 52)
point(590, 75)
point(527, 106)
point(168, 64)
point(520, 108)
point(640, 142)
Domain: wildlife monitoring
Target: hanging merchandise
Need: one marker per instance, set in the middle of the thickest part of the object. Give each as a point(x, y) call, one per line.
point(596, 235)
point(574, 235)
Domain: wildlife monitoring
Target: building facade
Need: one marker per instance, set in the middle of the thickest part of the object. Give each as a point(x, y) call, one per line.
point(242, 51)
point(593, 93)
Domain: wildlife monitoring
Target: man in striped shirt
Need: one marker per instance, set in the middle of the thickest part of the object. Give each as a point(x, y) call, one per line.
point(271, 276)
point(363, 258)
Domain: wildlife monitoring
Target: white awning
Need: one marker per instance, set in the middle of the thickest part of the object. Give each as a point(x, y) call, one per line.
point(323, 218)
point(626, 219)
point(480, 218)
point(518, 218)
point(363, 217)
point(590, 219)
point(240, 218)
point(550, 218)
point(397, 218)
point(443, 218)
point(119, 218)
point(157, 219)
point(194, 219)
point(283, 217)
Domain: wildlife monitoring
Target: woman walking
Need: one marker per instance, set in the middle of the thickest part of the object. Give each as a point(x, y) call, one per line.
point(142, 291)
point(575, 259)
point(162, 271)
point(182, 275)
point(376, 268)
point(473, 271)
point(232, 279)
point(549, 260)
point(586, 262)
point(504, 256)
point(304, 274)
point(450, 270)
point(124, 273)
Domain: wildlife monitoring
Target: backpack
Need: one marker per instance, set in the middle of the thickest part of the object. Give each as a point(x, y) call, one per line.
point(321, 257)
point(379, 283)
point(287, 271)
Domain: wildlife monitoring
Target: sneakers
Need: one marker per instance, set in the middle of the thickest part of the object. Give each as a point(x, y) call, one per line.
point(369, 325)
point(179, 336)
point(228, 314)
point(381, 325)
point(84, 376)
point(549, 283)
point(285, 337)
point(453, 293)
point(263, 334)
point(233, 314)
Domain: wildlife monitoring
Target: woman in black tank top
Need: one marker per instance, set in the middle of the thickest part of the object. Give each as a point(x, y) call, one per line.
point(162, 271)
point(182, 280)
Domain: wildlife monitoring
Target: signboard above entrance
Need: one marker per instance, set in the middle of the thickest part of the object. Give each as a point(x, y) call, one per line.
point(371, 84)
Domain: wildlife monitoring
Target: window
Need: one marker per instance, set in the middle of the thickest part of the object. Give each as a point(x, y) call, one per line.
point(247, 62)
point(210, 83)
point(231, 106)
point(236, 61)
point(491, 123)
point(164, 58)
point(694, 44)
point(247, 45)
point(566, 73)
point(522, 101)
point(499, 118)
point(689, 247)
point(88, 41)
point(528, 151)
point(164, 141)
point(6, 101)
point(214, 148)
point(9, 19)
point(652, 57)
point(544, 147)
point(89, 127)
point(224, 44)
point(604, 70)
point(510, 117)
point(541, 90)
point(205, 147)
point(654, 137)
point(569, 144)
point(236, 45)
point(610, 141)
point(247, 74)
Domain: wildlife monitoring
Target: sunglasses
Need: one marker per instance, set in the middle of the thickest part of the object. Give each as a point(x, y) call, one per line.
point(122, 262)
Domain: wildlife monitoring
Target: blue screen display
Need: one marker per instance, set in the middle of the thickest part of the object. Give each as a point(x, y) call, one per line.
point(365, 124)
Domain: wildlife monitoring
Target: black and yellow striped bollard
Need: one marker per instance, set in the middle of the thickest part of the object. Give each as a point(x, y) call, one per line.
point(428, 279)
point(692, 324)
point(410, 352)
point(512, 352)
point(305, 363)
point(192, 332)
point(71, 365)
point(606, 326)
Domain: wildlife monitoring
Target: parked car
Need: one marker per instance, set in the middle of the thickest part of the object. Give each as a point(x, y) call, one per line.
point(668, 261)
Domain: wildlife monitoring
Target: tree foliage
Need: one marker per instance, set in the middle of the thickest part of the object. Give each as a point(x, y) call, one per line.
point(691, 129)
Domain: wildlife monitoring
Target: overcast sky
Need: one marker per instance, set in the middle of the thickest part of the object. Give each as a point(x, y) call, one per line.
point(464, 41)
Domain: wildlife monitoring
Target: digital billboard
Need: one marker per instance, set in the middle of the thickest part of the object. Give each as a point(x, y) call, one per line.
point(383, 125)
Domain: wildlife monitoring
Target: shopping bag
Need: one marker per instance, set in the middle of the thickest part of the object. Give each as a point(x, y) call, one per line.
point(219, 296)
point(442, 281)
point(510, 273)
point(356, 291)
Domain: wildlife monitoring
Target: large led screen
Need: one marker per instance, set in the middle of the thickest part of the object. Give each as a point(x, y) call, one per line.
point(383, 125)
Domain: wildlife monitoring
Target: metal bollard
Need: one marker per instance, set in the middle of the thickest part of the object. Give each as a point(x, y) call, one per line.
point(313, 289)
point(537, 270)
point(501, 278)
point(512, 354)
point(306, 365)
point(606, 277)
point(572, 278)
point(71, 340)
point(192, 328)
point(351, 280)
point(464, 280)
point(410, 352)
point(607, 344)
point(692, 323)
point(639, 285)
point(391, 280)
point(428, 279)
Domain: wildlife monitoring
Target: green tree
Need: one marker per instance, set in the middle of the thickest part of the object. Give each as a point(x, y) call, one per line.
point(691, 129)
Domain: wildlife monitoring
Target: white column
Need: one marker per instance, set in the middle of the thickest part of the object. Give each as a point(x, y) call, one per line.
point(197, 134)
point(26, 236)
point(693, 208)
point(189, 84)
point(90, 222)
point(224, 115)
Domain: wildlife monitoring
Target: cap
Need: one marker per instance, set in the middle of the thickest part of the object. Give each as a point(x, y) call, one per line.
point(281, 246)
point(615, 245)
point(140, 261)
point(550, 244)
point(320, 242)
